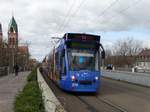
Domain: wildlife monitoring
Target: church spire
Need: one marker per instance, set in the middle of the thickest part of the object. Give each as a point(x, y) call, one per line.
point(13, 26)
point(13, 33)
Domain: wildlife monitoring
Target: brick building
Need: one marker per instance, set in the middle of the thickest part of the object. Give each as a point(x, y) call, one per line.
point(11, 52)
point(23, 57)
point(12, 43)
point(143, 59)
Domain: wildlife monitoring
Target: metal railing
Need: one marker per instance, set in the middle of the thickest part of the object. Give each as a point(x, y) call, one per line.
point(138, 70)
point(123, 69)
point(4, 71)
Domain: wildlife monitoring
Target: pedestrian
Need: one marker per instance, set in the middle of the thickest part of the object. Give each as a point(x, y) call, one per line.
point(16, 68)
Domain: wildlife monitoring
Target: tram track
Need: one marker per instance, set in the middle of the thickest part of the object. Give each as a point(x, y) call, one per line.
point(101, 105)
point(58, 92)
point(90, 108)
point(108, 100)
point(134, 90)
point(104, 103)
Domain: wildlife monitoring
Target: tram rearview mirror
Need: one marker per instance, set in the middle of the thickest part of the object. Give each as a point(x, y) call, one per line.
point(103, 54)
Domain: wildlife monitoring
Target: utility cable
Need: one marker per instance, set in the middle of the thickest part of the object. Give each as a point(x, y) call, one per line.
point(73, 14)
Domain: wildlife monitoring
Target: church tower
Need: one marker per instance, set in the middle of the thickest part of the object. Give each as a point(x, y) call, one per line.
point(1, 35)
point(13, 34)
point(12, 43)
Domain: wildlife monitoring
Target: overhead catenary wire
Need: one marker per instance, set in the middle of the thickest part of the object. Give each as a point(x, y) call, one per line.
point(136, 2)
point(69, 14)
point(73, 14)
point(66, 16)
point(107, 8)
point(100, 15)
point(133, 4)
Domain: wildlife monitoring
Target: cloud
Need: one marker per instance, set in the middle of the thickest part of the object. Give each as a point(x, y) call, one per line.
point(38, 20)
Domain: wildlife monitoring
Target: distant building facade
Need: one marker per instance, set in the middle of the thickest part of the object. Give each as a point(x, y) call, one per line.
point(11, 52)
point(4, 56)
point(143, 59)
point(12, 43)
point(23, 57)
point(32, 63)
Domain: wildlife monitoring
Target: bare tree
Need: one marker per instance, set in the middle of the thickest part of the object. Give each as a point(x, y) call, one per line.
point(108, 51)
point(124, 52)
point(127, 47)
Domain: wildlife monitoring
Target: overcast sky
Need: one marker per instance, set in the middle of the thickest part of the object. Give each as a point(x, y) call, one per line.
point(39, 20)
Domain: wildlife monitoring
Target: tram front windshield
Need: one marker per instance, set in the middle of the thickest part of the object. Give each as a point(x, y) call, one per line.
point(83, 60)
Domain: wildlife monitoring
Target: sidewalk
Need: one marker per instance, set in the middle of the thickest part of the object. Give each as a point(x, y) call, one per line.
point(9, 87)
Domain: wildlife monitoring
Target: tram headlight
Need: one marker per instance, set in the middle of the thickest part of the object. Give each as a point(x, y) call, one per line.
point(96, 78)
point(73, 78)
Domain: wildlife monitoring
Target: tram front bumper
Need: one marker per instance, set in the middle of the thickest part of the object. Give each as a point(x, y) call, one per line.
point(84, 87)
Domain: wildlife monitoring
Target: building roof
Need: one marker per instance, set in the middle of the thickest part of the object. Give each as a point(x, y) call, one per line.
point(23, 49)
point(13, 25)
point(145, 52)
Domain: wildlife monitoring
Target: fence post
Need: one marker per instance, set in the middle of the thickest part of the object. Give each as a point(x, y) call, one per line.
point(133, 70)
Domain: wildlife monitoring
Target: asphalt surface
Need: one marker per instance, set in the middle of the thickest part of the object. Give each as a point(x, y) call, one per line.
point(114, 96)
point(9, 87)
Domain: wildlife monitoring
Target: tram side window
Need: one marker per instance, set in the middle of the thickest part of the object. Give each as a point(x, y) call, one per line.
point(63, 63)
point(56, 60)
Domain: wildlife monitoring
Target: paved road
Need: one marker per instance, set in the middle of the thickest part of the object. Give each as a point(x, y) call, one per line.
point(114, 96)
point(9, 87)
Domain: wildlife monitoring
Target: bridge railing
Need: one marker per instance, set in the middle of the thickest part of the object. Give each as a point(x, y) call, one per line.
point(4, 71)
point(141, 70)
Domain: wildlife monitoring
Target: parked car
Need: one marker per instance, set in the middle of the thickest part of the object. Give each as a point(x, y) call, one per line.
point(109, 67)
point(139, 69)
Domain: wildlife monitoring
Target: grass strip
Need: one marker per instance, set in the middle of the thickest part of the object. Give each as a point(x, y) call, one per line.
point(30, 98)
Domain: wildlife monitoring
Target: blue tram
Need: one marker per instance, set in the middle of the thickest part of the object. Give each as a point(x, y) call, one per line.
point(74, 63)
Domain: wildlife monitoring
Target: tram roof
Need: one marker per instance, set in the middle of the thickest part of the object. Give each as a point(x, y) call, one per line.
point(83, 36)
point(78, 36)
